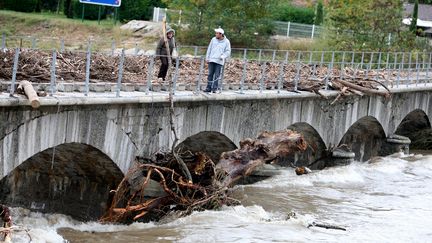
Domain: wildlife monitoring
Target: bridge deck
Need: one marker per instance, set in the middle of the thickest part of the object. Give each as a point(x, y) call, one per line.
point(97, 98)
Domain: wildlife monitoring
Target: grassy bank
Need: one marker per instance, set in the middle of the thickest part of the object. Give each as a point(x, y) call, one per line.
point(50, 28)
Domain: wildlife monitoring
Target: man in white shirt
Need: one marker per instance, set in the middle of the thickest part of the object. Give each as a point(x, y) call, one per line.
point(218, 51)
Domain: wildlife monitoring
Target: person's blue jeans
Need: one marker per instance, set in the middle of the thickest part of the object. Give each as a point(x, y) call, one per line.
point(213, 76)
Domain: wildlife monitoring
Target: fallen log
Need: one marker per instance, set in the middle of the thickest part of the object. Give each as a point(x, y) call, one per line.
point(363, 89)
point(27, 88)
point(326, 226)
point(268, 147)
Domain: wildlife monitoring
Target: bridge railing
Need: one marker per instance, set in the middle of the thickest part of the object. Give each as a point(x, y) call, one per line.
point(254, 69)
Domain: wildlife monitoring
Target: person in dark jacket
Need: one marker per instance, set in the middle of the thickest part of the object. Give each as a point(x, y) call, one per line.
point(161, 52)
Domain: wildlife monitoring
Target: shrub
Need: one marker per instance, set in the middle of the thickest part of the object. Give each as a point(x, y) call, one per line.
point(290, 13)
point(133, 9)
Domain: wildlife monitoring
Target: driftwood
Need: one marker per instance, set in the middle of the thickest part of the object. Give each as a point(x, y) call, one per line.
point(27, 88)
point(7, 232)
point(5, 217)
point(326, 226)
point(210, 187)
point(363, 89)
point(268, 147)
point(35, 66)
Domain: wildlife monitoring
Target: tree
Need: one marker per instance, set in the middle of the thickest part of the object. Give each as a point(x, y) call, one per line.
point(67, 8)
point(245, 22)
point(286, 12)
point(413, 25)
point(21, 6)
point(366, 25)
point(319, 13)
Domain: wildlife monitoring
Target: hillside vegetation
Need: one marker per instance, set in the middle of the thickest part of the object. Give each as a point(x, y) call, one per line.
point(48, 26)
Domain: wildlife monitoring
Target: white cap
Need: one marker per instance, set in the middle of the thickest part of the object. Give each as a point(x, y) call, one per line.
point(219, 30)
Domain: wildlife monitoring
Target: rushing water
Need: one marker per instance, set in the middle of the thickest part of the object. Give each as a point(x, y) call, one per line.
point(386, 200)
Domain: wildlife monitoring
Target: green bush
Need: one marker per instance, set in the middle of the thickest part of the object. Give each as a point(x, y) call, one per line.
point(133, 9)
point(290, 13)
point(138, 9)
point(50, 5)
point(21, 6)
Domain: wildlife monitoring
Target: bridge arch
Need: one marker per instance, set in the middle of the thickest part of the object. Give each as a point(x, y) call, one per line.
point(315, 150)
point(413, 122)
point(71, 178)
point(416, 126)
point(76, 126)
point(210, 142)
point(365, 137)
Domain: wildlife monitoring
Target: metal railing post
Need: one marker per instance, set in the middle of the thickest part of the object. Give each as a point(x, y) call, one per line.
point(120, 73)
point(33, 45)
point(401, 66)
point(428, 68)
point(378, 65)
point(263, 73)
point(330, 70)
point(417, 69)
point(310, 57)
point(297, 77)
point(150, 73)
point(243, 71)
point(259, 55)
point(87, 76)
point(53, 75)
point(243, 78)
point(14, 71)
point(281, 74)
point(113, 46)
point(3, 46)
point(176, 76)
point(322, 59)
point(409, 68)
point(388, 67)
point(62, 45)
point(136, 49)
point(343, 66)
point(195, 51)
point(201, 71)
point(369, 67)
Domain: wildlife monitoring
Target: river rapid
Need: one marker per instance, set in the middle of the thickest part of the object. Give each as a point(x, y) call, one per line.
point(388, 199)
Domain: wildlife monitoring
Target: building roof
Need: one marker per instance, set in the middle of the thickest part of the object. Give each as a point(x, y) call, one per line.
point(424, 11)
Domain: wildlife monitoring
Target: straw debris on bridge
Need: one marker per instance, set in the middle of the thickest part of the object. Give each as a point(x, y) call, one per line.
point(36, 66)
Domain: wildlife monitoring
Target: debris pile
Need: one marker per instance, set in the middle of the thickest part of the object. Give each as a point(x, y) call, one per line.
point(157, 187)
point(35, 66)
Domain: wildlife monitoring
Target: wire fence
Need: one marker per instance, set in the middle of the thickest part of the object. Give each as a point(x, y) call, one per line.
point(296, 30)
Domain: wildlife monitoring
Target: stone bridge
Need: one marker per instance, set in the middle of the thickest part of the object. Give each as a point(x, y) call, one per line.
point(67, 155)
